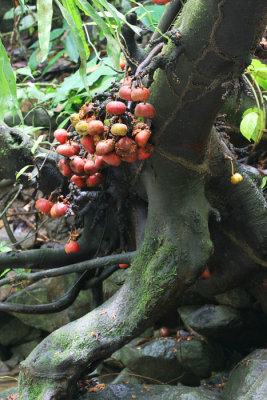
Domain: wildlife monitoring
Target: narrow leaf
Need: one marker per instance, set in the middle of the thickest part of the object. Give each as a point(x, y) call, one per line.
point(72, 9)
point(113, 47)
point(8, 85)
point(44, 15)
point(78, 40)
point(36, 143)
point(52, 61)
point(23, 170)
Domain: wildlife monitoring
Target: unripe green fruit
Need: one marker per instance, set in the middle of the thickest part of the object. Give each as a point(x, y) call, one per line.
point(119, 129)
point(82, 128)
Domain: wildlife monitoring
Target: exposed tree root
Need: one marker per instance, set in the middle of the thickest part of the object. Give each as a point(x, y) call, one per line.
point(175, 248)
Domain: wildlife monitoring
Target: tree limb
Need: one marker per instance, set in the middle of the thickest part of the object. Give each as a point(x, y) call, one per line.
point(124, 258)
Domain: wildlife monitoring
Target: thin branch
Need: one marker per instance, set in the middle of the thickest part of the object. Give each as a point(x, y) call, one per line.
point(11, 201)
point(168, 18)
point(147, 60)
point(124, 258)
point(29, 235)
point(63, 302)
point(10, 233)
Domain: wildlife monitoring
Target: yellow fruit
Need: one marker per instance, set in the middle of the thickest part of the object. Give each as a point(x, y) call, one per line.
point(119, 129)
point(236, 178)
point(74, 119)
point(82, 128)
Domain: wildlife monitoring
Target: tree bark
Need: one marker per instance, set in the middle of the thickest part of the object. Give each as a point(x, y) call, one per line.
point(186, 182)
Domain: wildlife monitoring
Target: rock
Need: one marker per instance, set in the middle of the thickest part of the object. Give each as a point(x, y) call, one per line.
point(215, 321)
point(3, 368)
point(14, 361)
point(47, 291)
point(155, 359)
point(12, 330)
point(2, 353)
point(152, 392)
point(167, 360)
point(259, 289)
point(237, 298)
point(126, 376)
point(199, 358)
point(37, 117)
point(58, 228)
point(248, 380)
point(24, 349)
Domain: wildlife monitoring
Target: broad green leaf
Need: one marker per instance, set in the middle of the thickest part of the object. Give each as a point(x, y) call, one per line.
point(71, 48)
point(249, 110)
point(33, 62)
point(8, 85)
point(54, 34)
point(248, 126)
point(264, 182)
point(23, 170)
point(259, 68)
point(44, 15)
point(27, 21)
point(259, 72)
point(26, 71)
point(252, 125)
point(78, 40)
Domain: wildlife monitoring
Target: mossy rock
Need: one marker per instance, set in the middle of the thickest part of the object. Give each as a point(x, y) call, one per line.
point(248, 380)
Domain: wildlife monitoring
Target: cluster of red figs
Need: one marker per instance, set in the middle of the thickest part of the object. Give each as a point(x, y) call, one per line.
point(97, 140)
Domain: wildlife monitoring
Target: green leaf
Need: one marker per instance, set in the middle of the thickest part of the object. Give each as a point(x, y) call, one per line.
point(36, 143)
point(71, 48)
point(149, 15)
point(259, 72)
point(252, 125)
point(23, 170)
point(259, 68)
point(8, 269)
point(27, 21)
point(8, 85)
point(4, 248)
point(79, 42)
point(264, 182)
point(44, 16)
point(113, 47)
point(71, 7)
point(26, 71)
point(53, 61)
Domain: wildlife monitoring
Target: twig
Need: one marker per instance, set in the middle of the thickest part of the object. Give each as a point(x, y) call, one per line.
point(11, 202)
point(9, 232)
point(123, 258)
point(147, 60)
point(62, 303)
point(28, 236)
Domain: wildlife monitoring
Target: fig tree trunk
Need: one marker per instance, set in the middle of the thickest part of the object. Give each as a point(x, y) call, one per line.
point(192, 207)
